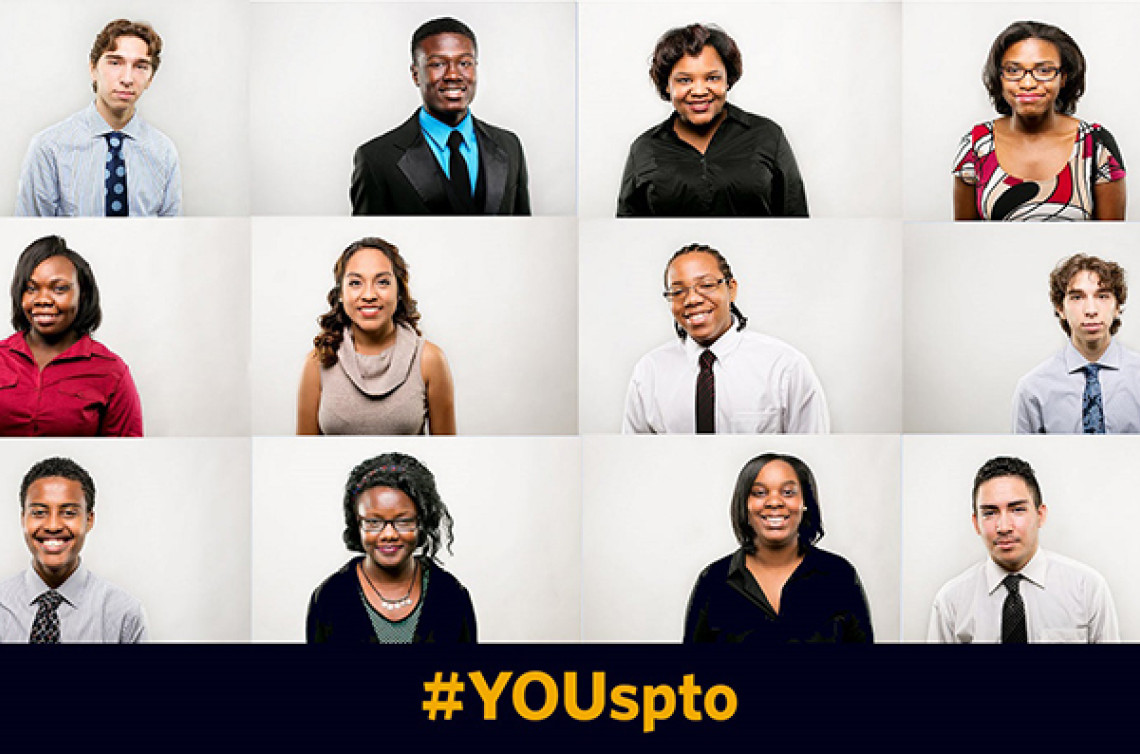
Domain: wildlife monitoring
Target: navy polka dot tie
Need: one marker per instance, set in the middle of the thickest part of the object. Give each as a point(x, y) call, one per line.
point(115, 177)
point(45, 626)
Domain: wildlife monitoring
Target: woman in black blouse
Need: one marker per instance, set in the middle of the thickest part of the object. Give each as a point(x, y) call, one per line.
point(708, 157)
point(778, 587)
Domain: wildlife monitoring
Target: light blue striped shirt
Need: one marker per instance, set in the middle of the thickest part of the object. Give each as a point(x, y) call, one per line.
point(436, 133)
point(63, 173)
point(92, 610)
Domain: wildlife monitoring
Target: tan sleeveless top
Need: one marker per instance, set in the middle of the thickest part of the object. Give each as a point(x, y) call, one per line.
point(375, 395)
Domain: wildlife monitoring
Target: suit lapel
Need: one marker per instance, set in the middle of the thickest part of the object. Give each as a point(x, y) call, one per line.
point(495, 164)
point(419, 166)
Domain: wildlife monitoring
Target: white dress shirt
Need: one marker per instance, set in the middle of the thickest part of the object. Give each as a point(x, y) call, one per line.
point(1065, 602)
point(92, 609)
point(63, 173)
point(1050, 398)
point(763, 385)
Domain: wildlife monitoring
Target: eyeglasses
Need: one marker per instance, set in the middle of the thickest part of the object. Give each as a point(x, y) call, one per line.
point(1042, 73)
point(401, 525)
point(704, 287)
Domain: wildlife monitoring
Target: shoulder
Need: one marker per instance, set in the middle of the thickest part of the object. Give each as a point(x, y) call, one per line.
point(433, 355)
point(400, 137)
point(101, 352)
point(668, 355)
point(501, 136)
point(62, 130)
point(10, 587)
point(155, 139)
point(442, 578)
point(752, 120)
point(773, 348)
point(830, 562)
point(114, 599)
point(962, 584)
point(335, 587)
point(1129, 358)
point(717, 571)
point(1051, 367)
point(1086, 575)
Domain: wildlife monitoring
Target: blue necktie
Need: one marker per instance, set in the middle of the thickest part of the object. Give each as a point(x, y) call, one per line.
point(1092, 409)
point(115, 177)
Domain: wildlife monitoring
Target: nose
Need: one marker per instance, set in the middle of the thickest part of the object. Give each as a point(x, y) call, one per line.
point(388, 531)
point(691, 295)
point(1004, 522)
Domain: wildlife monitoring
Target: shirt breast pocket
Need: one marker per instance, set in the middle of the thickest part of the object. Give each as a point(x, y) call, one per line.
point(757, 422)
point(81, 401)
point(7, 378)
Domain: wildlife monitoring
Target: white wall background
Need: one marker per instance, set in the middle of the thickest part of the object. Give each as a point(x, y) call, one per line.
point(944, 49)
point(497, 295)
point(199, 96)
point(655, 513)
point(827, 287)
point(1089, 485)
point(171, 527)
point(978, 315)
point(328, 77)
point(175, 300)
point(515, 503)
point(827, 73)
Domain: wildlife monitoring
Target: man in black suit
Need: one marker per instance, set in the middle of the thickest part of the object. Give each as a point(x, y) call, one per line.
point(442, 160)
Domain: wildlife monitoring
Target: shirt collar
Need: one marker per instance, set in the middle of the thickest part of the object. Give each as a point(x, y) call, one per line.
point(1033, 571)
point(80, 349)
point(732, 113)
point(808, 565)
point(721, 347)
point(71, 590)
point(438, 131)
point(1075, 362)
point(98, 127)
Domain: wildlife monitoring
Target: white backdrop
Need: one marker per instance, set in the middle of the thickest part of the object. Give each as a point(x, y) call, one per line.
point(517, 531)
point(328, 77)
point(175, 300)
point(826, 287)
point(171, 527)
point(1089, 485)
point(944, 49)
point(978, 315)
point(497, 295)
point(827, 73)
point(655, 513)
point(199, 97)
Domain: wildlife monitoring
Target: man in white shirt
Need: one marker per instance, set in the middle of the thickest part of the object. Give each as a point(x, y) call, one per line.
point(1021, 593)
point(716, 377)
point(1092, 385)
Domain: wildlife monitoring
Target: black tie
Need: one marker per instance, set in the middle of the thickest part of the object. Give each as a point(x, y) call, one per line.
point(457, 167)
point(706, 395)
point(1013, 613)
point(45, 626)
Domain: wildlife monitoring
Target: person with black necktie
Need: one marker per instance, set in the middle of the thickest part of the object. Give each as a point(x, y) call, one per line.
point(56, 599)
point(442, 160)
point(717, 378)
point(1021, 593)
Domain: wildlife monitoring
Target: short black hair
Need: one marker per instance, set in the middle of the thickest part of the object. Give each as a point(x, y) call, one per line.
point(90, 314)
point(444, 25)
point(61, 467)
point(1007, 466)
point(1072, 64)
point(811, 525)
point(725, 270)
point(690, 40)
point(399, 472)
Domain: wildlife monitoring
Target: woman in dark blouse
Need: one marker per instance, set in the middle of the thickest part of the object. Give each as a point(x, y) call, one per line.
point(396, 593)
point(778, 587)
point(708, 157)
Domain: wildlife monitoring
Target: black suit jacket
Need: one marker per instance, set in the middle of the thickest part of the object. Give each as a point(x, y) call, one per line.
point(397, 174)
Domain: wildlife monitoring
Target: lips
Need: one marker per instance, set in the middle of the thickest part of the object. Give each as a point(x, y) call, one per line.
point(696, 319)
point(54, 545)
point(369, 312)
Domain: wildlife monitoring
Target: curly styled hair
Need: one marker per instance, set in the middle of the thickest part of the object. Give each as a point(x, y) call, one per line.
point(1072, 64)
point(1007, 466)
point(399, 472)
point(334, 322)
point(725, 270)
point(690, 40)
point(1108, 274)
point(121, 27)
point(90, 313)
point(811, 525)
point(60, 467)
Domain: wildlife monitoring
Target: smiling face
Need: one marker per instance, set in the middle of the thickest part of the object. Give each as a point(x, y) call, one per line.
point(445, 72)
point(704, 314)
point(121, 75)
point(1089, 309)
point(387, 548)
point(369, 291)
point(776, 506)
point(1029, 97)
point(1007, 519)
point(698, 86)
point(56, 522)
point(51, 300)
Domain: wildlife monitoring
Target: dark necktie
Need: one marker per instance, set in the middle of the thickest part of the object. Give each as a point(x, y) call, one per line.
point(45, 626)
point(457, 167)
point(1013, 613)
point(1092, 408)
point(115, 177)
point(706, 395)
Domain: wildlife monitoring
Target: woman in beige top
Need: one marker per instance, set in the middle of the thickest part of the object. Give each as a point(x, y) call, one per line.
point(371, 371)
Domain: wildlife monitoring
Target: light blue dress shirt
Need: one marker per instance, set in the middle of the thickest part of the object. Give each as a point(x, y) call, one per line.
point(436, 132)
point(92, 609)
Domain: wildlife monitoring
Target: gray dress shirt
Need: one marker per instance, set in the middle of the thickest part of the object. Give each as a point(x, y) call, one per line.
point(63, 173)
point(92, 610)
point(1048, 399)
point(1065, 602)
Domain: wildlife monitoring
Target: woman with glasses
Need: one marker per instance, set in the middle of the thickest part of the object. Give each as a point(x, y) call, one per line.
point(778, 587)
point(1037, 162)
point(371, 371)
point(708, 157)
point(396, 592)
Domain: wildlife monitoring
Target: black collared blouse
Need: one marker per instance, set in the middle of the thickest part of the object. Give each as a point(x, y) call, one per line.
point(748, 170)
point(822, 601)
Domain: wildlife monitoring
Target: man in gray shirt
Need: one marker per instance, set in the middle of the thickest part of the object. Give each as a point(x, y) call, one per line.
point(57, 599)
point(1092, 385)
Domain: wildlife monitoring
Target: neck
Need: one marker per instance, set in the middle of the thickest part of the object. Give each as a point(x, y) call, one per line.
point(53, 346)
point(778, 555)
point(115, 120)
point(451, 119)
point(1092, 350)
point(1042, 124)
point(371, 343)
point(397, 575)
point(55, 578)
